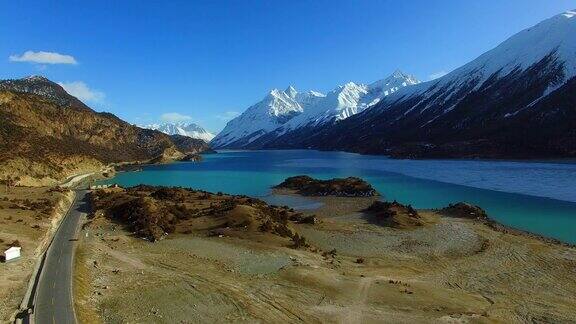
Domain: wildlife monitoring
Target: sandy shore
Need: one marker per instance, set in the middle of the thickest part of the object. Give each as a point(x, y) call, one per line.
point(451, 270)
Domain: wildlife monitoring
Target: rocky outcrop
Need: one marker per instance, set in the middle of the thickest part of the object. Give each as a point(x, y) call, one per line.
point(346, 187)
point(464, 210)
point(394, 214)
point(154, 212)
point(192, 157)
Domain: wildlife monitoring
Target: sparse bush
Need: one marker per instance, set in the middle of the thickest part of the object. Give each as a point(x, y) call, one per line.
point(266, 226)
point(331, 253)
point(205, 195)
point(180, 211)
point(298, 241)
point(172, 194)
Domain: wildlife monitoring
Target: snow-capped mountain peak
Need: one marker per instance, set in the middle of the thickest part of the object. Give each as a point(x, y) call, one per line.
point(185, 129)
point(517, 98)
point(277, 103)
point(291, 92)
point(274, 110)
point(569, 13)
point(395, 81)
point(349, 99)
point(286, 110)
point(554, 36)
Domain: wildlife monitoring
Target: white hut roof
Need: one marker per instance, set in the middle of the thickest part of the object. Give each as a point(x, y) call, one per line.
point(14, 248)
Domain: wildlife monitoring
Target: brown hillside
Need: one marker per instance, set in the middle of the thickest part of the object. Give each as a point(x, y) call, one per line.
point(154, 212)
point(46, 133)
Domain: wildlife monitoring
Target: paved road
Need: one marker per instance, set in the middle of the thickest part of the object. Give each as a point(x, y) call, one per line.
point(53, 303)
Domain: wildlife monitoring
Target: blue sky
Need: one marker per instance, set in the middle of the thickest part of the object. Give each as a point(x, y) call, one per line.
point(206, 61)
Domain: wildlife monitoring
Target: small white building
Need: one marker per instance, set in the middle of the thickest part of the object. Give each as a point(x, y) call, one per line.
point(12, 253)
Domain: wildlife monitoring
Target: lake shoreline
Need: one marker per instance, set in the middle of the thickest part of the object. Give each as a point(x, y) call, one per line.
point(570, 160)
point(490, 222)
point(505, 190)
point(449, 268)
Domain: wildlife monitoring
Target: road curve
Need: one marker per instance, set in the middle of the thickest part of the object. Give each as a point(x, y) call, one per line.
point(53, 300)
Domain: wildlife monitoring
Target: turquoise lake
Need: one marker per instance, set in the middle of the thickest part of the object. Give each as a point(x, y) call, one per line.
point(539, 197)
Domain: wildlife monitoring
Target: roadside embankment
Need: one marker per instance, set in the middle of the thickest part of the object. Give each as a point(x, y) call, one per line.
point(29, 216)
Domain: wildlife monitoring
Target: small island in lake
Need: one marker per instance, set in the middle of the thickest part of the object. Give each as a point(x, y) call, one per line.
point(346, 187)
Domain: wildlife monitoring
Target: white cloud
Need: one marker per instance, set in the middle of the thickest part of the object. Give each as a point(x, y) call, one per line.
point(43, 58)
point(227, 115)
point(174, 117)
point(437, 75)
point(81, 91)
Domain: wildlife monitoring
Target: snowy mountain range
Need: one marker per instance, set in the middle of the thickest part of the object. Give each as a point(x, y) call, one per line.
point(283, 111)
point(348, 100)
point(185, 129)
point(517, 100)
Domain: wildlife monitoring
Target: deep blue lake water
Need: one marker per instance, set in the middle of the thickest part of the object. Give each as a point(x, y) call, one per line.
point(533, 196)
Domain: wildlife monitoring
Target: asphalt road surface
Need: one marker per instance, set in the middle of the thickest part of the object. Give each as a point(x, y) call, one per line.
point(53, 303)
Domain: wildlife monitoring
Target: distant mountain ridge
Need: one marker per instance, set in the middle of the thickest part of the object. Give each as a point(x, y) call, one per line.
point(183, 128)
point(47, 135)
point(517, 100)
point(284, 111)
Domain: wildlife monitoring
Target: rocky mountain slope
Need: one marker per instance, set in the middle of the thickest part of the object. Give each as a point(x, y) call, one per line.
point(48, 134)
point(305, 110)
point(185, 129)
point(517, 100)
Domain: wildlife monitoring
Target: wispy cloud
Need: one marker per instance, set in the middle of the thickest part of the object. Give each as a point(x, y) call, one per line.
point(228, 115)
point(43, 58)
point(81, 91)
point(437, 75)
point(174, 117)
